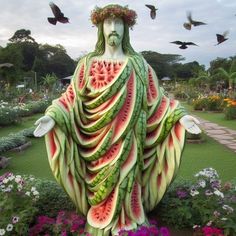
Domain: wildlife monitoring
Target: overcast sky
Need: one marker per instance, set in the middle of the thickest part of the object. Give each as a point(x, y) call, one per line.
point(79, 36)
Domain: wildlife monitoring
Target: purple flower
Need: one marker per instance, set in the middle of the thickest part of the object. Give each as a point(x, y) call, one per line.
point(164, 231)
point(215, 184)
point(181, 194)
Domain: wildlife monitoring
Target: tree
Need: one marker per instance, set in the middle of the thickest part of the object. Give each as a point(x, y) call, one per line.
point(22, 35)
point(230, 75)
point(11, 54)
point(49, 80)
point(161, 63)
point(188, 70)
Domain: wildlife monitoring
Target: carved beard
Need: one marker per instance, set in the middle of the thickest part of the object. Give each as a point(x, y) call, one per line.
point(114, 40)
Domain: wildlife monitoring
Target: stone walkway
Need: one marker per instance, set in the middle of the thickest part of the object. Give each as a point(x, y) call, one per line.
point(221, 134)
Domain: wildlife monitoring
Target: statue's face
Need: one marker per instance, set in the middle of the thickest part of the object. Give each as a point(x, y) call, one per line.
point(113, 29)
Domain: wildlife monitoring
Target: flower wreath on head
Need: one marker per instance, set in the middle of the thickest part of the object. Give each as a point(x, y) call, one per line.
point(100, 14)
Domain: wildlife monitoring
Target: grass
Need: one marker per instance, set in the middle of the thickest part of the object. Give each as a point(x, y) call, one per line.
point(195, 157)
point(208, 154)
point(215, 117)
point(34, 159)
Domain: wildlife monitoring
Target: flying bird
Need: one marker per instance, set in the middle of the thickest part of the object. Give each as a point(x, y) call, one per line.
point(188, 25)
point(183, 45)
point(153, 10)
point(222, 37)
point(58, 15)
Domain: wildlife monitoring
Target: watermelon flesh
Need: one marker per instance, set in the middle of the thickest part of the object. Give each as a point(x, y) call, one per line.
point(101, 215)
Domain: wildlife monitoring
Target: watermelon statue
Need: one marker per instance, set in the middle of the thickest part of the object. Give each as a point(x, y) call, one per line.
point(114, 139)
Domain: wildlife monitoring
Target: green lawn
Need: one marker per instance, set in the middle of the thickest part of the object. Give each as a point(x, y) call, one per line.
point(195, 157)
point(214, 117)
point(34, 159)
point(208, 154)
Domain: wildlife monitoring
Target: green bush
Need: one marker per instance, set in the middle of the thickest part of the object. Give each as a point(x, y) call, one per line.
point(34, 107)
point(8, 115)
point(52, 198)
point(12, 141)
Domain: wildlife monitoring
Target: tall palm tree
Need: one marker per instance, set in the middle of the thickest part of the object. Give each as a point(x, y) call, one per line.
point(229, 76)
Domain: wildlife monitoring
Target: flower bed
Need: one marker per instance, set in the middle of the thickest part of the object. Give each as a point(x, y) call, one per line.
point(230, 108)
point(208, 103)
point(203, 202)
point(33, 207)
point(12, 113)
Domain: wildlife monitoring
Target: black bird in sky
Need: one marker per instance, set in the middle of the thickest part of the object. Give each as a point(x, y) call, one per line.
point(153, 10)
point(183, 45)
point(188, 25)
point(58, 15)
point(222, 37)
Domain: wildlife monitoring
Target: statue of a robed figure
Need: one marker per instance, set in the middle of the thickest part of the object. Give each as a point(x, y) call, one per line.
point(114, 139)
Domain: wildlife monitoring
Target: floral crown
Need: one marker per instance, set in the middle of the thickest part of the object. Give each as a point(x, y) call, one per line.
point(100, 14)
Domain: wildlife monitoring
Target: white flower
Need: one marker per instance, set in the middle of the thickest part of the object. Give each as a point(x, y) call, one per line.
point(18, 179)
point(218, 193)
point(32, 178)
point(9, 227)
point(15, 219)
point(2, 231)
point(19, 187)
point(10, 186)
point(35, 193)
point(27, 193)
point(202, 183)
point(196, 226)
point(11, 177)
point(5, 181)
point(224, 219)
point(209, 223)
point(33, 189)
point(228, 208)
point(194, 192)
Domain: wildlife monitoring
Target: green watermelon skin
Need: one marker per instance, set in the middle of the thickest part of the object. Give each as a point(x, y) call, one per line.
point(117, 144)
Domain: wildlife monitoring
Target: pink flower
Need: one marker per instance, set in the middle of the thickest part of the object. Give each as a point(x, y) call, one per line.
point(74, 227)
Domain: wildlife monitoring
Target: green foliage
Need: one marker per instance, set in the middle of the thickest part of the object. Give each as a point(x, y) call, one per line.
point(205, 201)
point(18, 196)
point(161, 63)
point(8, 115)
point(11, 141)
point(52, 198)
point(34, 107)
point(22, 35)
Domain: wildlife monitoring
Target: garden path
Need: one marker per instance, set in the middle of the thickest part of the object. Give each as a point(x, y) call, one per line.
point(221, 134)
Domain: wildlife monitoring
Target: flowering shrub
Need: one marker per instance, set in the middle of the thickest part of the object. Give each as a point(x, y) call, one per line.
point(230, 108)
point(18, 195)
point(207, 231)
point(8, 115)
point(204, 202)
point(65, 223)
point(11, 141)
point(209, 103)
point(151, 230)
point(11, 113)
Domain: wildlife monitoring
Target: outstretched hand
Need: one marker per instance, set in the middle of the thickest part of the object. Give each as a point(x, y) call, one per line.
point(190, 124)
point(45, 124)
